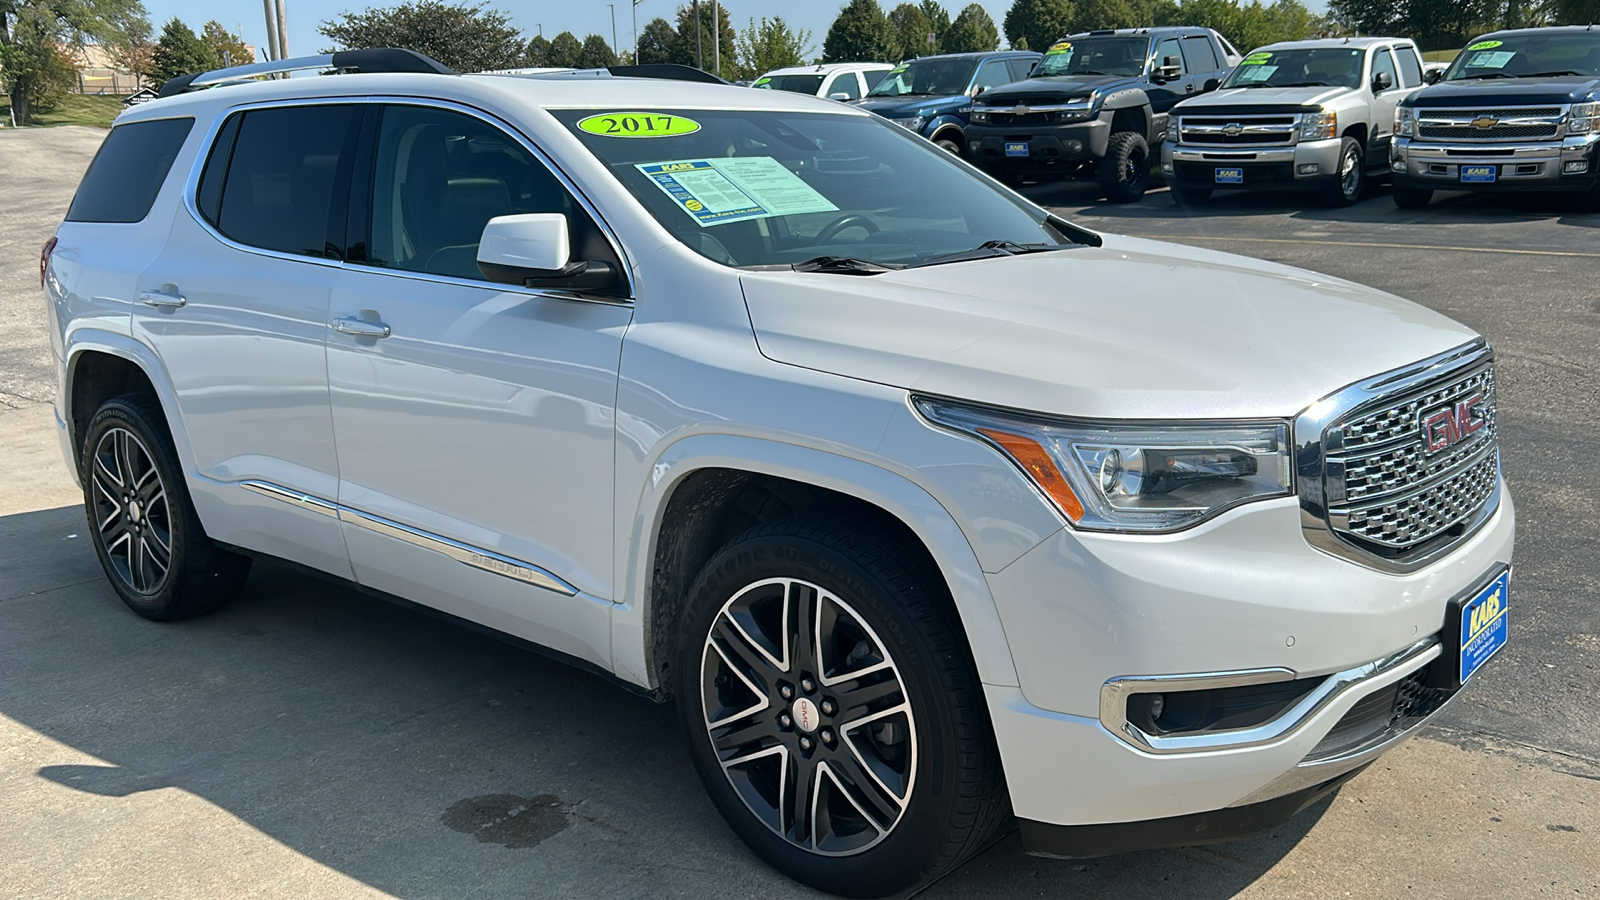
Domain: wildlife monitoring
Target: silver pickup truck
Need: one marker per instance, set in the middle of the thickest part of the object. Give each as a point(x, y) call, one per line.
point(1301, 115)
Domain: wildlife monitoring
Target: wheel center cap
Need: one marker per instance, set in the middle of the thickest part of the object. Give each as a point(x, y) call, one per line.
point(806, 715)
point(133, 510)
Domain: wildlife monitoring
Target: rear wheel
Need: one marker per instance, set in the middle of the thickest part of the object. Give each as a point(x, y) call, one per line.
point(1350, 179)
point(142, 523)
point(832, 709)
point(1125, 171)
point(1411, 198)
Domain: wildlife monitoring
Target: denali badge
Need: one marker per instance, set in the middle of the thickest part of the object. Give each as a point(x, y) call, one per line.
point(1444, 428)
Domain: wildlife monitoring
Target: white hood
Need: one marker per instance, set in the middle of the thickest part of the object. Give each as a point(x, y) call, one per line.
point(1246, 97)
point(1134, 329)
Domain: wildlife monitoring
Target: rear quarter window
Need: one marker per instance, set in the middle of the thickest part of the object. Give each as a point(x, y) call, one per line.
point(126, 175)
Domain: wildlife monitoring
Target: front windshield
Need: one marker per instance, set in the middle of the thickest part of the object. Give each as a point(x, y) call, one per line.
point(932, 76)
point(768, 188)
point(795, 84)
point(1331, 66)
point(1095, 56)
point(1528, 55)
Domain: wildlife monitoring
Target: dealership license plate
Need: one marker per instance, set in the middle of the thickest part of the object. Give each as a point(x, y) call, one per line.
point(1016, 148)
point(1230, 176)
point(1483, 624)
point(1479, 174)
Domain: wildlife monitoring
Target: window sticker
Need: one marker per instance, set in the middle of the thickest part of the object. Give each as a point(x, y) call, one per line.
point(715, 191)
point(1059, 48)
point(1484, 45)
point(1256, 72)
point(638, 125)
point(1490, 59)
point(761, 81)
point(1258, 58)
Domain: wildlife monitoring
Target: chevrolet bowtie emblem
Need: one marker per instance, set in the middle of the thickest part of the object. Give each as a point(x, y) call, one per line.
point(1233, 129)
point(1019, 110)
point(1485, 122)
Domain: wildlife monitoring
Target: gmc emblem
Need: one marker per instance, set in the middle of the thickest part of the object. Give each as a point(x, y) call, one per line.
point(1446, 427)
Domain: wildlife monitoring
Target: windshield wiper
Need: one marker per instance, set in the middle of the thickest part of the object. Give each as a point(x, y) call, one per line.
point(1304, 84)
point(986, 250)
point(1482, 75)
point(1555, 74)
point(843, 265)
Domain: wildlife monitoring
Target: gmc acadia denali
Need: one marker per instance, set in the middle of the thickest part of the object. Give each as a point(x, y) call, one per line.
point(773, 410)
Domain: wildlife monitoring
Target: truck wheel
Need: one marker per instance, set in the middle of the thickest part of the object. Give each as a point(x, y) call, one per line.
point(1411, 198)
point(1351, 178)
point(948, 145)
point(832, 709)
point(1125, 171)
point(1183, 196)
point(142, 522)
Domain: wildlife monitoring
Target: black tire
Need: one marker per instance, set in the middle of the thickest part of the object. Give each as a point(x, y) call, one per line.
point(142, 522)
point(1411, 198)
point(1350, 180)
point(1185, 196)
point(1125, 171)
point(897, 620)
point(948, 145)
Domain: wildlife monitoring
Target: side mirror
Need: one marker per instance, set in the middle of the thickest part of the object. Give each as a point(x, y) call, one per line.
point(1432, 76)
point(1212, 84)
point(534, 250)
point(838, 95)
point(1382, 82)
point(1169, 70)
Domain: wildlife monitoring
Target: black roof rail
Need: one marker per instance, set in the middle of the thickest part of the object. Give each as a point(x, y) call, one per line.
point(377, 59)
point(668, 71)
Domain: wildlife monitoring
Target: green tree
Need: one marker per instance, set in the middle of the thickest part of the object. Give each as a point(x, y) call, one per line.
point(179, 51)
point(771, 45)
point(655, 42)
point(467, 38)
point(566, 51)
point(972, 32)
point(1089, 15)
point(216, 36)
point(1036, 24)
point(1574, 12)
point(860, 33)
point(538, 52)
point(33, 33)
point(911, 28)
point(596, 53)
point(938, 22)
point(722, 39)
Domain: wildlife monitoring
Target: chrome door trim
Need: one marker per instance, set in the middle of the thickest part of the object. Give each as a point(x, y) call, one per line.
point(476, 557)
point(1372, 676)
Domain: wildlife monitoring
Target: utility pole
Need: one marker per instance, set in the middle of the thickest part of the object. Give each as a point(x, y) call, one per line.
point(699, 61)
point(271, 50)
point(283, 32)
point(636, 31)
point(716, 37)
point(613, 8)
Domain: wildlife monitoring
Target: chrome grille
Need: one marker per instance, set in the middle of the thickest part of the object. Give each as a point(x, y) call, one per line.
point(1511, 124)
point(1495, 133)
point(1373, 489)
point(1246, 130)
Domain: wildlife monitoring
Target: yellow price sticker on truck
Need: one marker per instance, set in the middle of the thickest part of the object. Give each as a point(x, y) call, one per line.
point(1484, 45)
point(1258, 58)
point(733, 189)
point(638, 125)
point(1059, 48)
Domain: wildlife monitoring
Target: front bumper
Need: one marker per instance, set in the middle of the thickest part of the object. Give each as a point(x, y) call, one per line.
point(1243, 592)
point(1050, 147)
point(1300, 166)
point(1535, 166)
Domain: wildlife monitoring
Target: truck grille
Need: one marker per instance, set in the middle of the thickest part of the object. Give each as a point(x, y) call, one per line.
point(1403, 474)
point(1234, 131)
point(1510, 124)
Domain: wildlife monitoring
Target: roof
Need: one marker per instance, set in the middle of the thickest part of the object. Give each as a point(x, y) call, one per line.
point(1548, 29)
point(825, 68)
point(981, 54)
point(1136, 32)
point(1334, 43)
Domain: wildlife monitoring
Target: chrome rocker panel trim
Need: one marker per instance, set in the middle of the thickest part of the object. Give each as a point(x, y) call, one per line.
point(1363, 678)
point(477, 557)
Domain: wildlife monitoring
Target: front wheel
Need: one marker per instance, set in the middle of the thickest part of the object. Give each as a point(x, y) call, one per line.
point(948, 145)
point(1411, 198)
point(1350, 179)
point(1125, 171)
point(832, 709)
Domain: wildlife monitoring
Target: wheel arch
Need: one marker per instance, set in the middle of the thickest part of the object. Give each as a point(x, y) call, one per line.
point(949, 128)
point(100, 366)
point(1130, 111)
point(1359, 132)
point(708, 488)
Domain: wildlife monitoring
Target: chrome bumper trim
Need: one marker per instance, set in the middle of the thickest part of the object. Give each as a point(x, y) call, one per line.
point(1363, 679)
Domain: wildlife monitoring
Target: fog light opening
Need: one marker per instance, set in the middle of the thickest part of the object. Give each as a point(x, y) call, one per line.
point(1308, 168)
point(1575, 167)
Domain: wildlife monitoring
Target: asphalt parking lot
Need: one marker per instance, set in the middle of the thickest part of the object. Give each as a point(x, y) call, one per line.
point(313, 741)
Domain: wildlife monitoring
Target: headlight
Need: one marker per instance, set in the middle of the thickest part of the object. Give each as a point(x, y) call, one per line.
point(1319, 126)
point(980, 117)
point(1584, 118)
point(913, 123)
point(1106, 476)
point(1405, 122)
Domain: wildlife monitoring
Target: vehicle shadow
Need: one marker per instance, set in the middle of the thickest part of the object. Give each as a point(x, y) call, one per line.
point(415, 755)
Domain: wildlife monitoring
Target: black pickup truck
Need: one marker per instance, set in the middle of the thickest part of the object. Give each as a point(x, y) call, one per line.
point(1096, 104)
point(1516, 111)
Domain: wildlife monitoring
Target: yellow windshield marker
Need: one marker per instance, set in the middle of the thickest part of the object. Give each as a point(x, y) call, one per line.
point(638, 125)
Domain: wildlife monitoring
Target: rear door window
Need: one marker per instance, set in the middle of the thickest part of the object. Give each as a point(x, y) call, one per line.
point(992, 74)
point(1020, 67)
point(1410, 66)
point(1199, 55)
point(281, 178)
point(126, 175)
point(844, 83)
point(874, 76)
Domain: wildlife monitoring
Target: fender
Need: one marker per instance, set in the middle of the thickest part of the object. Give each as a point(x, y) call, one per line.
point(944, 121)
point(84, 340)
point(900, 497)
point(1132, 97)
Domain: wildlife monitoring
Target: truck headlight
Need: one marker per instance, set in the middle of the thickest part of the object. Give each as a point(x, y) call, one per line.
point(1319, 126)
point(913, 123)
point(980, 117)
point(1584, 118)
point(1405, 122)
point(1110, 476)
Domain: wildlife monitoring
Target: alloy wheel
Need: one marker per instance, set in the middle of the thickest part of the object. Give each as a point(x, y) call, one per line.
point(808, 716)
point(131, 511)
point(1350, 173)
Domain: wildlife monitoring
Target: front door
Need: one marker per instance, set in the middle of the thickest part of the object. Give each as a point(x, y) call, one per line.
point(1383, 104)
point(475, 421)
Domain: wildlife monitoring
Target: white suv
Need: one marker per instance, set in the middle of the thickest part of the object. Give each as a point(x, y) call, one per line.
point(835, 81)
point(925, 507)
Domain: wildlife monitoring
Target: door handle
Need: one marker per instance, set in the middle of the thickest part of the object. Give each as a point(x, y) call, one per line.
point(162, 299)
point(360, 327)
point(1188, 88)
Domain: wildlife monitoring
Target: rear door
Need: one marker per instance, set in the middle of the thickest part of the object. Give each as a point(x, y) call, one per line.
point(236, 308)
point(1200, 56)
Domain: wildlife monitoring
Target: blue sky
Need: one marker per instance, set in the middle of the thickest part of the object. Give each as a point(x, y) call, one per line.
point(581, 18)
